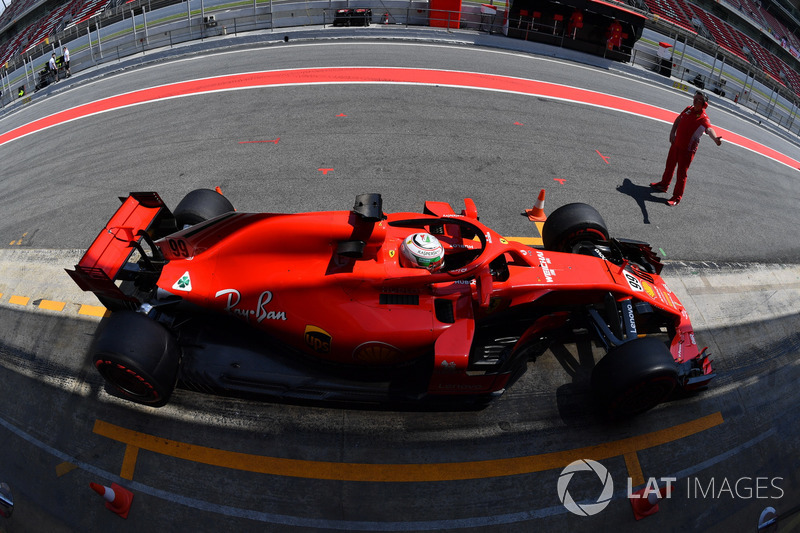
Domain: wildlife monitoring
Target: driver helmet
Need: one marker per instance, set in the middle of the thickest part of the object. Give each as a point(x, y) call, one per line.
point(422, 250)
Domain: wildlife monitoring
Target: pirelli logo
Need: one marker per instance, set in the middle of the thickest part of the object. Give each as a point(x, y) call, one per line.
point(317, 339)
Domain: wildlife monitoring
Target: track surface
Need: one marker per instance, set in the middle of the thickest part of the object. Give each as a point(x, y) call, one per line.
point(408, 142)
point(308, 146)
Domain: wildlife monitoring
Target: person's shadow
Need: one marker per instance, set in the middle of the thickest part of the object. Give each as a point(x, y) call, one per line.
point(642, 194)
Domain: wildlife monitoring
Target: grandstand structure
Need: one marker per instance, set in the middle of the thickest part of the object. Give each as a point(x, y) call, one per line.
point(754, 32)
point(25, 24)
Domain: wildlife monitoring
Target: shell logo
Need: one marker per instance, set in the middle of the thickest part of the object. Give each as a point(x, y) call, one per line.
point(651, 292)
point(377, 352)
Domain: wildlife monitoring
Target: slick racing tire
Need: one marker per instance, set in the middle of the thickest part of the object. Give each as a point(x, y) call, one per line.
point(572, 224)
point(138, 358)
point(634, 377)
point(201, 205)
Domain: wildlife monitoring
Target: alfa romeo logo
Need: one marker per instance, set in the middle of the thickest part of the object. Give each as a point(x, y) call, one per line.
point(585, 509)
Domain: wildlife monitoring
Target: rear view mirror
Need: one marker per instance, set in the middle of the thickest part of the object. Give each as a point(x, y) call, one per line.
point(6, 501)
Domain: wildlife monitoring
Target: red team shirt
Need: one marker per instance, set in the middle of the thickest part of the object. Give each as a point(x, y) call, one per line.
point(691, 127)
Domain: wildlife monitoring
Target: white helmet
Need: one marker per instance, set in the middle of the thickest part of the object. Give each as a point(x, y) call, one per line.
point(422, 250)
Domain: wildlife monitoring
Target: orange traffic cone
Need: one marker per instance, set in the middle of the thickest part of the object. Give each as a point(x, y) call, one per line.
point(644, 505)
point(219, 191)
point(118, 499)
point(537, 213)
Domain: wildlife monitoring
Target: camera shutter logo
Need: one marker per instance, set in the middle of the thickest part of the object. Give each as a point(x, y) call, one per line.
point(585, 509)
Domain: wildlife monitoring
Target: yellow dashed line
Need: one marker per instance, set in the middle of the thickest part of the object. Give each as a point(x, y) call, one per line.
point(50, 305)
point(93, 310)
point(19, 300)
point(18, 242)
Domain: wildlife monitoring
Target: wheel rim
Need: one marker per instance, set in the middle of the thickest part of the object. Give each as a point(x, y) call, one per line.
point(126, 380)
point(587, 234)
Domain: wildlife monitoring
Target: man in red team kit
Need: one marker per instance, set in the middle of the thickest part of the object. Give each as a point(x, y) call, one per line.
point(687, 129)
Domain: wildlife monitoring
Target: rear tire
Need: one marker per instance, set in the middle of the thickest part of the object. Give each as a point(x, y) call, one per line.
point(115, 305)
point(201, 205)
point(634, 377)
point(572, 224)
point(138, 358)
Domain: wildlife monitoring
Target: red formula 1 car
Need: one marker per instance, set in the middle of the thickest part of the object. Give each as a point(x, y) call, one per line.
point(362, 306)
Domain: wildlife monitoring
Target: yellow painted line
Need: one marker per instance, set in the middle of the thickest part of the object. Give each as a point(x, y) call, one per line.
point(19, 300)
point(400, 472)
point(92, 310)
point(634, 469)
point(129, 462)
point(64, 468)
point(50, 305)
point(530, 241)
point(18, 242)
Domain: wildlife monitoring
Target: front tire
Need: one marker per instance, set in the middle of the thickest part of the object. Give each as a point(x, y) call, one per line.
point(572, 224)
point(138, 358)
point(634, 377)
point(201, 205)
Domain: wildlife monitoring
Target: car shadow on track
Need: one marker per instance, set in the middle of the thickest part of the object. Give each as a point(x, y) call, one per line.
point(642, 194)
point(577, 404)
point(575, 401)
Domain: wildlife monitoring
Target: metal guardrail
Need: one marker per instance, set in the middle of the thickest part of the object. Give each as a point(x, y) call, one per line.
point(746, 85)
point(113, 36)
point(126, 31)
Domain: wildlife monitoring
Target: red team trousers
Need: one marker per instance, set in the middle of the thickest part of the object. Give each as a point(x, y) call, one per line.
point(682, 158)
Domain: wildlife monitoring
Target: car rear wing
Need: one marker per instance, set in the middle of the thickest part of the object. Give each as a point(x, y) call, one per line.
point(108, 259)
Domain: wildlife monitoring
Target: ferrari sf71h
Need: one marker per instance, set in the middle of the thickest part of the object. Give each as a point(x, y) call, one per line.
point(360, 306)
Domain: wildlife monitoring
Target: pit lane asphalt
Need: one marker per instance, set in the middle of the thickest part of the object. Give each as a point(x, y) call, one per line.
point(411, 144)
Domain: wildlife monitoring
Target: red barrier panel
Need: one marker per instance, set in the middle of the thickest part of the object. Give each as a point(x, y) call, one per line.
point(445, 13)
